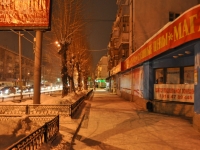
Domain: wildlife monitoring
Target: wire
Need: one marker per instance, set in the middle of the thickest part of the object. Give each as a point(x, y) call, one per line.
point(103, 20)
point(29, 33)
point(28, 39)
point(22, 36)
point(98, 50)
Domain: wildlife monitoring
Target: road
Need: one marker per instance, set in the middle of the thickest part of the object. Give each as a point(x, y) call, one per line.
point(16, 96)
point(112, 123)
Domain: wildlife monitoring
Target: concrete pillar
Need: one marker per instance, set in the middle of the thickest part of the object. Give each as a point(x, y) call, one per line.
point(148, 81)
point(37, 67)
point(196, 118)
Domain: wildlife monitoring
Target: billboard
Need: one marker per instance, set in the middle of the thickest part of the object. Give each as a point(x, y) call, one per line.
point(25, 14)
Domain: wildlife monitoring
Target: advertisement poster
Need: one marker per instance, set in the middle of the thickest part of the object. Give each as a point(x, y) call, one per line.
point(125, 83)
point(25, 13)
point(137, 82)
point(174, 92)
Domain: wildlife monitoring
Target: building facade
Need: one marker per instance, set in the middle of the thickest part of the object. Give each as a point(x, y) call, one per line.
point(161, 70)
point(10, 69)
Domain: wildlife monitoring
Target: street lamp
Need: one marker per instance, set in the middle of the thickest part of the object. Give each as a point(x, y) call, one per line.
point(28, 77)
point(20, 65)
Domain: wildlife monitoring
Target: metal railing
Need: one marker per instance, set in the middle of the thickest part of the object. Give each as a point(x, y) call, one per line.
point(44, 134)
point(41, 109)
point(36, 109)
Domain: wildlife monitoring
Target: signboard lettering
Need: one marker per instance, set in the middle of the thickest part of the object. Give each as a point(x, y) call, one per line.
point(183, 29)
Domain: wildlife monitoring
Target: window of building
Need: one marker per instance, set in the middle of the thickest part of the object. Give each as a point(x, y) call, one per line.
point(173, 16)
point(173, 76)
point(189, 75)
point(179, 75)
point(159, 73)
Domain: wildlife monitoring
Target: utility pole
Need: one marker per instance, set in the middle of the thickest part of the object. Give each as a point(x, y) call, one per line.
point(20, 66)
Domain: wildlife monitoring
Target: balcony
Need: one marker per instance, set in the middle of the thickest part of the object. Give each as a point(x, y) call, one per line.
point(115, 33)
point(123, 39)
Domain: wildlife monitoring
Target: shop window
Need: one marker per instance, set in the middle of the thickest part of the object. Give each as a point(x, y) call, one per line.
point(173, 76)
point(189, 75)
point(159, 76)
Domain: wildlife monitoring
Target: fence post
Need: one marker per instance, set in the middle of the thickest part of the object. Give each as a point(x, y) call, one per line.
point(27, 109)
point(70, 109)
point(46, 133)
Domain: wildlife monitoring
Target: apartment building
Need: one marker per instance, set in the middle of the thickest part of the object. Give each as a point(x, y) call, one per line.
point(159, 69)
point(10, 69)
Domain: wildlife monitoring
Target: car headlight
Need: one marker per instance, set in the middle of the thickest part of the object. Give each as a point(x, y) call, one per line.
point(6, 91)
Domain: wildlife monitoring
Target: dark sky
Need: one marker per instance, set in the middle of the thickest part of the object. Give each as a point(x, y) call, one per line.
point(101, 14)
point(10, 40)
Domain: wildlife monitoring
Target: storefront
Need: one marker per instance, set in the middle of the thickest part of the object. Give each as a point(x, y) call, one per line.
point(114, 78)
point(164, 71)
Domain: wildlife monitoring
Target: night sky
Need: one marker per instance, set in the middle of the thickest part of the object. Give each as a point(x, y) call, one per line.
point(100, 15)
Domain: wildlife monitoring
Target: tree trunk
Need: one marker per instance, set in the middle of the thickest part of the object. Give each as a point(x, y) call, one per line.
point(64, 73)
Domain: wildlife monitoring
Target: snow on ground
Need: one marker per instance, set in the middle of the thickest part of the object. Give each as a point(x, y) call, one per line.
point(11, 130)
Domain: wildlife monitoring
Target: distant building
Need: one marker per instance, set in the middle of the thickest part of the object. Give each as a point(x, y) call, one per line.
point(101, 72)
point(9, 69)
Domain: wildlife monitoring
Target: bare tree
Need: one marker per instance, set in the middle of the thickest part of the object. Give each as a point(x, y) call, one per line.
point(79, 58)
point(67, 20)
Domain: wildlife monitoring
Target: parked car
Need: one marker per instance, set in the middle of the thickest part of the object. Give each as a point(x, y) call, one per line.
point(24, 89)
point(7, 90)
point(30, 88)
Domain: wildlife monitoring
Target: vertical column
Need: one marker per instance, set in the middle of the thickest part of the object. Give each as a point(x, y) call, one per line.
point(197, 78)
point(37, 67)
point(20, 66)
point(196, 118)
point(148, 83)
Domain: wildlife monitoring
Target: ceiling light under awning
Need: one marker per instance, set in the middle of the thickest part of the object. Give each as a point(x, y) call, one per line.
point(180, 54)
point(175, 56)
point(187, 52)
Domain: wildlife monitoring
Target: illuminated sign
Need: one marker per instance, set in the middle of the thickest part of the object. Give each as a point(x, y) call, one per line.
point(117, 69)
point(183, 29)
point(24, 14)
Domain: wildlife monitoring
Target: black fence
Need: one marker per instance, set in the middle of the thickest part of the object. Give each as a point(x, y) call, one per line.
point(63, 110)
point(44, 134)
point(36, 109)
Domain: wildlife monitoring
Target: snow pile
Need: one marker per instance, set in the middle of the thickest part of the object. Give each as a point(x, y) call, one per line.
point(15, 129)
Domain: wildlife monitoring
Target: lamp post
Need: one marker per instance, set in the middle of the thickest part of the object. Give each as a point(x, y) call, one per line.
point(20, 65)
point(28, 78)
